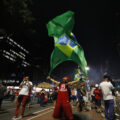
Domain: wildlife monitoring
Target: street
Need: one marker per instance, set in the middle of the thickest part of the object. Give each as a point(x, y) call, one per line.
point(43, 113)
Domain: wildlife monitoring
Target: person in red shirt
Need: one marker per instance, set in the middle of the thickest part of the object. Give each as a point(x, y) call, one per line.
point(63, 103)
point(38, 96)
point(46, 97)
point(98, 97)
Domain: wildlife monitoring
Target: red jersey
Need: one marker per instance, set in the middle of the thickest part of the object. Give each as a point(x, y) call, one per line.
point(98, 93)
point(16, 93)
point(63, 95)
point(39, 94)
point(29, 93)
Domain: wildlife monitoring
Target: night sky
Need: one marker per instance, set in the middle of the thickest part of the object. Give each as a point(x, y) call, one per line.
point(94, 23)
point(93, 29)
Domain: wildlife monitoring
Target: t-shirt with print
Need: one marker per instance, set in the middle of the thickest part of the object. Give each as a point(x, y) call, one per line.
point(25, 88)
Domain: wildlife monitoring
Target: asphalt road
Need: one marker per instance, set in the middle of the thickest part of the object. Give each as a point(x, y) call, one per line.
point(39, 113)
point(43, 113)
point(8, 109)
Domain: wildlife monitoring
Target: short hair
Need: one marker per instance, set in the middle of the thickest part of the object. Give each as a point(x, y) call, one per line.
point(107, 76)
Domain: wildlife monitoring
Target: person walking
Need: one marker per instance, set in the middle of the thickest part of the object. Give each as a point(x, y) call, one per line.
point(3, 92)
point(38, 96)
point(80, 98)
point(85, 98)
point(106, 88)
point(92, 94)
point(98, 97)
point(54, 95)
point(25, 86)
point(42, 98)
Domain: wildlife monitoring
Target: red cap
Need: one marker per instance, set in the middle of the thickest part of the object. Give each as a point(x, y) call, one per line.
point(83, 84)
point(68, 79)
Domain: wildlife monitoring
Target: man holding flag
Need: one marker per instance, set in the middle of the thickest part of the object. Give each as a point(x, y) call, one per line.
point(63, 103)
point(66, 48)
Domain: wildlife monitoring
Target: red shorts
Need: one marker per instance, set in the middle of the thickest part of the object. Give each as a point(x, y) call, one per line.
point(61, 108)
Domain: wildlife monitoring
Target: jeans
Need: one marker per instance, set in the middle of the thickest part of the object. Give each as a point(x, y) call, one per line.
point(109, 108)
point(41, 102)
point(38, 100)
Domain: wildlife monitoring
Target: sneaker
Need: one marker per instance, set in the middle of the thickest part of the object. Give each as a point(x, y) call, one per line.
point(103, 115)
point(85, 110)
point(14, 118)
point(117, 115)
point(21, 117)
point(73, 107)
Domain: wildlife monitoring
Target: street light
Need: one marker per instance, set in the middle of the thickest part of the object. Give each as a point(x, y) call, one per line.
point(87, 68)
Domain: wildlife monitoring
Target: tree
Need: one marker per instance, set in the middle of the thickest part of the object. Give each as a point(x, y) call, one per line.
point(16, 17)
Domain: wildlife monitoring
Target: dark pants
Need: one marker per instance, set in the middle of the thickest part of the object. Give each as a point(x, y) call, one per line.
point(93, 98)
point(1, 99)
point(80, 100)
point(38, 100)
point(109, 106)
point(42, 102)
point(98, 102)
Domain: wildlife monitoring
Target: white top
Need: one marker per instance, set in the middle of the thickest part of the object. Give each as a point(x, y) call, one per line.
point(118, 94)
point(92, 92)
point(106, 88)
point(25, 88)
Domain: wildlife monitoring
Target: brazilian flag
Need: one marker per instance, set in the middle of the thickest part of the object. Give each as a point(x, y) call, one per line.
point(66, 46)
point(78, 75)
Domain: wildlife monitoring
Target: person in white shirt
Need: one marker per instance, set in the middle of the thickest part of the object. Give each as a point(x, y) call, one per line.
point(106, 88)
point(25, 86)
point(92, 94)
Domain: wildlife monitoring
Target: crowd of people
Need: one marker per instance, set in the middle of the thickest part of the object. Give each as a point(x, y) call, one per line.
point(103, 97)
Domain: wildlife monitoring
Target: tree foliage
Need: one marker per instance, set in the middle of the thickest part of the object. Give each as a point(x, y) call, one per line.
point(15, 17)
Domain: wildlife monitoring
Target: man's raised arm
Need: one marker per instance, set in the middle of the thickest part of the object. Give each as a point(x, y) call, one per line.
point(54, 81)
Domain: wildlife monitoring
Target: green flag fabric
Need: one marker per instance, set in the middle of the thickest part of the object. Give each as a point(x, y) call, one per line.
point(61, 24)
point(65, 43)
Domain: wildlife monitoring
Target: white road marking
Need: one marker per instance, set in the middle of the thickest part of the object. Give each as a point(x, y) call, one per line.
point(43, 110)
point(40, 115)
point(38, 112)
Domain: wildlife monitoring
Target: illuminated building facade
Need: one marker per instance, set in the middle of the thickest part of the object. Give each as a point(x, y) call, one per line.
point(14, 60)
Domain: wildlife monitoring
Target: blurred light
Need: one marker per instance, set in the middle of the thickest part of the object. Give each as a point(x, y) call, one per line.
point(87, 68)
point(8, 57)
point(1, 37)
